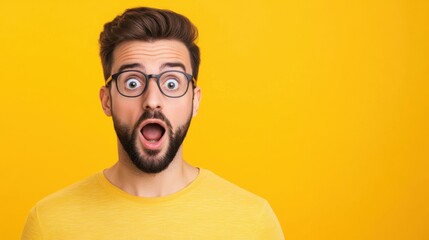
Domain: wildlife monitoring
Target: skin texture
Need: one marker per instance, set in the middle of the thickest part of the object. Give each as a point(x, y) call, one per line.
point(151, 58)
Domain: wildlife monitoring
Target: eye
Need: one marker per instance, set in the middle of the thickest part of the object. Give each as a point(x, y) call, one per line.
point(132, 83)
point(171, 84)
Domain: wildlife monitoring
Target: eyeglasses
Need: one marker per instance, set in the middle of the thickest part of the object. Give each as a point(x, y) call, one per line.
point(133, 83)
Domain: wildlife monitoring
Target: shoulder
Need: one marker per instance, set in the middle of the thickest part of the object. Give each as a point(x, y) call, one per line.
point(241, 207)
point(221, 188)
point(54, 210)
point(71, 194)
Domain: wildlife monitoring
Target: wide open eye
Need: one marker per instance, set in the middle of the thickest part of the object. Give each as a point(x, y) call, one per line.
point(132, 84)
point(171, 84)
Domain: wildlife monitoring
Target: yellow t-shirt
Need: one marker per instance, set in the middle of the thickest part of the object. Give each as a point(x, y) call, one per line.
point(209, 208)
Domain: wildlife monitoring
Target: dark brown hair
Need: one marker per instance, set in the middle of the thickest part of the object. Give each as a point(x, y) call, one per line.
point(148, 24)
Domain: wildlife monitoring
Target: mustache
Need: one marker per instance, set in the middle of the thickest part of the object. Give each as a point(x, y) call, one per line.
point(150, 114)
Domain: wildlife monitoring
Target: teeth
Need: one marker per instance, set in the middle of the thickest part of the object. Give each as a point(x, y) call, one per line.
point(152, 141)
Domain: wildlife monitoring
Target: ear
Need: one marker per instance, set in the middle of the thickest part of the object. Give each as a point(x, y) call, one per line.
point(196, 101)
point(106, 101)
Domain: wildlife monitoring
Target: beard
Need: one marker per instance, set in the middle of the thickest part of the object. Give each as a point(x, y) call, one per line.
point(152, 161)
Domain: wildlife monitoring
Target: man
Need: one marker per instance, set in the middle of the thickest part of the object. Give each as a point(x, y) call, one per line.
point(150, 62)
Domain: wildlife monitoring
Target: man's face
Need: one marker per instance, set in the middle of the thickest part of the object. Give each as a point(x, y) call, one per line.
point(151, 127)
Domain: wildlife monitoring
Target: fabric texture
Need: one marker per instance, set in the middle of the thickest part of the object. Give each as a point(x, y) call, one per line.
point(209, 208)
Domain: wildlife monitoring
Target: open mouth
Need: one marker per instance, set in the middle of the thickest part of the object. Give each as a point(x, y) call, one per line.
point(153, 132)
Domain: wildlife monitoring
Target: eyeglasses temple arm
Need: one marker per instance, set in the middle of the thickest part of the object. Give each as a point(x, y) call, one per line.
point(108, 80)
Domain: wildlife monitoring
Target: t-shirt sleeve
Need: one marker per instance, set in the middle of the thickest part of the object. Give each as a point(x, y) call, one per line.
point(270, 227)
point(32, 230)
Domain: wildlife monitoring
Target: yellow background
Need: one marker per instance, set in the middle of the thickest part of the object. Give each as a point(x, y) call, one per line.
point(321, 107)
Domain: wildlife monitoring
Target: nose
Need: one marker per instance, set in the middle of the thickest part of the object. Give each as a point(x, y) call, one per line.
point(152, 98)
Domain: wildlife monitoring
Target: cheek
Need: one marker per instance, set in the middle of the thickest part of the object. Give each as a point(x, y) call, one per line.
point(178, 113)
point(126, 111)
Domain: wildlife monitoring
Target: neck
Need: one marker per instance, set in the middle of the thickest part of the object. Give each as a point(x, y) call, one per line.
point(130, 179)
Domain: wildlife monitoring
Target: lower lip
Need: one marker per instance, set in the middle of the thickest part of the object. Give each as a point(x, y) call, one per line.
point(151, 145)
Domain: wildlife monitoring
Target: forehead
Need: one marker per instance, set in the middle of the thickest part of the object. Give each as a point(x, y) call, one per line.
point(151, 55)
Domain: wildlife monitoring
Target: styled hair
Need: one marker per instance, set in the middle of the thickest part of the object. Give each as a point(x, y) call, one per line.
point(148, 24)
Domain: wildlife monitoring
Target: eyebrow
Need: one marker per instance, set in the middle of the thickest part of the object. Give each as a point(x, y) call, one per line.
point(172, 64)
point(131, 65)
point(164, 65)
